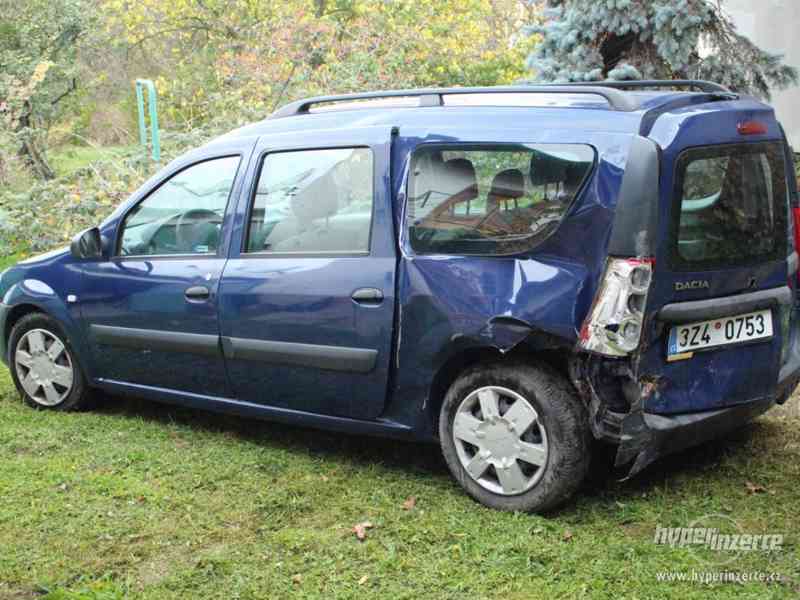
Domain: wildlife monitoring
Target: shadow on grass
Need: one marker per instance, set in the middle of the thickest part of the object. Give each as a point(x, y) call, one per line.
point(693, 463)
point(358, 449)
point(603, 484)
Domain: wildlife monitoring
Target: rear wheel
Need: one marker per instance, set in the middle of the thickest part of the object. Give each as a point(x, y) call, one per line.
point(43, 365)
point(515, 436)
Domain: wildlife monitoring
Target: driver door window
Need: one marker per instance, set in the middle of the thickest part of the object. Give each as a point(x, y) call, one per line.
point(184, 214)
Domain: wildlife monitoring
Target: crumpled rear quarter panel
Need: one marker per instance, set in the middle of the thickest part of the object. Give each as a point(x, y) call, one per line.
point(452, 304)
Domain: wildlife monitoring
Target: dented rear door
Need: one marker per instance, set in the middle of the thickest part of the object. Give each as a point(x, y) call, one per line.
point(721, 308)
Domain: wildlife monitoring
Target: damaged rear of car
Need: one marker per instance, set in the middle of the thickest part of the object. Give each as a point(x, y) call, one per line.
point(693, 330)
point(559, 285)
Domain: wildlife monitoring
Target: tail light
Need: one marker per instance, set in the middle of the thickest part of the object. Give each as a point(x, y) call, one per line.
point(614, 324)
point(796, 230)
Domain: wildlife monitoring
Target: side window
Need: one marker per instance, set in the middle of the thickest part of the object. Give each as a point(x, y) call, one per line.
point(313, 201)
point(491, 200)
point(184, 214)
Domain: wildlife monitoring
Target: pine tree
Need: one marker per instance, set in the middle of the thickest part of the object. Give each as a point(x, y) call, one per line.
point(592, 40)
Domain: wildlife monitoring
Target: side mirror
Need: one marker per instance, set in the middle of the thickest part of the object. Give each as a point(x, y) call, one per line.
point(87, 244)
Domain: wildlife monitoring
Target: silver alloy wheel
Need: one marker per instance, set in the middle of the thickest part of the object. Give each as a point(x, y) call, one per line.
point(500, 440)
point(44, 367)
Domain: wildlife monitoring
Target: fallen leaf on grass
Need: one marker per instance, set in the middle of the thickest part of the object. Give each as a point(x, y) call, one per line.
point(363, 580)
point(360, 529)
point(410, 503)
point(753, 488)
point(179, 441)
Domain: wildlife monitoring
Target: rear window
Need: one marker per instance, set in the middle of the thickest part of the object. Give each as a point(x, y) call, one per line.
point(731, 206)
point(485, 200)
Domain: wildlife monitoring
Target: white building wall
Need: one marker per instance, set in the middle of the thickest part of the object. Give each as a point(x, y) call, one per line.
point(774, 25)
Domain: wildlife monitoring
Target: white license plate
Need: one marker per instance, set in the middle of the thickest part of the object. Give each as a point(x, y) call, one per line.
point(720, 332)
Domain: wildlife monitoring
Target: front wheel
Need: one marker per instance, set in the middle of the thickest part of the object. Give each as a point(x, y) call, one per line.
point(43, 365)
point(515, 436)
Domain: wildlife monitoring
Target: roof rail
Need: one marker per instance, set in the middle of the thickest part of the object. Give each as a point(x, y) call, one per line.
point(616, 99)
point(708, 87)
point(709, 91)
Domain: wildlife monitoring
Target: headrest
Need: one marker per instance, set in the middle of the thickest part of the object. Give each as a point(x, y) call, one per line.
point(458, 179)
point(546, 168)
point(428, 169)
point(316, 197)
point(508, 184)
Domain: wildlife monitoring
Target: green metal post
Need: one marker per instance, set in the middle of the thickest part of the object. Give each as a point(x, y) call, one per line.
point(142, 126)
point(154, 122)
point(153, 109)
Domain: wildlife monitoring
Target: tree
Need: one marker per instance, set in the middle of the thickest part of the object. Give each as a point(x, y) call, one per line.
point(230, 60)
point(38, 46)
point(590, 40)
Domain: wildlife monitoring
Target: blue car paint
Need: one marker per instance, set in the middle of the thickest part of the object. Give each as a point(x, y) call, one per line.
point(306, 299)
point(712, 379)
point(149, 294)
point(44, 283)
point(450, 305)
point(440, 306)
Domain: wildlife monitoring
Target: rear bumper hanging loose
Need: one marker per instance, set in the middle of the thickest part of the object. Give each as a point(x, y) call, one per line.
point(646, 437)
point(616, 401)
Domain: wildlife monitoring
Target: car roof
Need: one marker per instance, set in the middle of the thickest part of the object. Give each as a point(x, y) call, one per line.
point(430, 117)
point(599, 107)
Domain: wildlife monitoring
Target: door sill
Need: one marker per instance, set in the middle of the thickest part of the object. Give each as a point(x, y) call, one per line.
point(259, 411)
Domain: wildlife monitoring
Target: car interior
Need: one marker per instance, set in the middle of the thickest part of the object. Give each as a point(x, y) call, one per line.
point(477, 197)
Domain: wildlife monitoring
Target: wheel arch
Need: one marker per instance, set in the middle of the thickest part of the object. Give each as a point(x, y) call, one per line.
point(21, 302)
point(15, 313)
point(498, 442)
point(529, 350)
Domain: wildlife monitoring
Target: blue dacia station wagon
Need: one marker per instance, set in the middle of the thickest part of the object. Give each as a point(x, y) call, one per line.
point(514, 273)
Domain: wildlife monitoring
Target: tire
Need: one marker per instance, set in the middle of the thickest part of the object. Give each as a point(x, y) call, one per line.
point(37, 335)
point(556, 435)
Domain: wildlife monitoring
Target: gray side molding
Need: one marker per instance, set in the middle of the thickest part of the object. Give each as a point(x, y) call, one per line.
point(152, 339)
point(331, 358)
point(636, 216)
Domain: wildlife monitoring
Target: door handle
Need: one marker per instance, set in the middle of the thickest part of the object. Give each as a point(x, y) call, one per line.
point(368, 296)
point(197, 293)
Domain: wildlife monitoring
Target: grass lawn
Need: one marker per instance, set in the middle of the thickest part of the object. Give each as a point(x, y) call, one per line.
point(67, 159)
point(142, 500)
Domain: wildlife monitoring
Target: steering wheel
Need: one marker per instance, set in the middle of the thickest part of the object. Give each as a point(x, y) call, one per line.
point(189, 226)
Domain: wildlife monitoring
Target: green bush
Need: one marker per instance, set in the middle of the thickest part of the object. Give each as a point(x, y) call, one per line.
point(42, 215)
